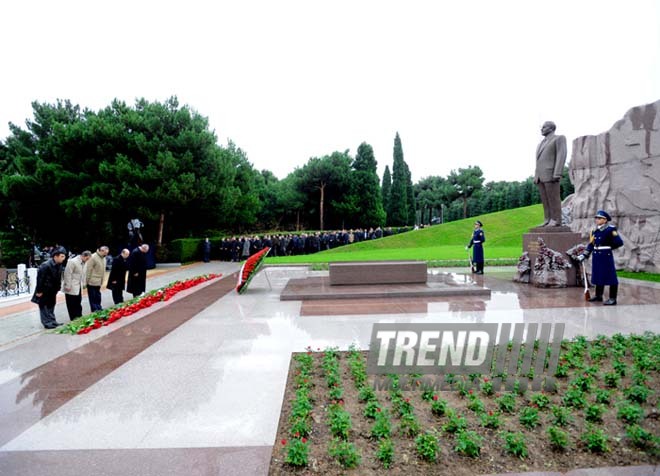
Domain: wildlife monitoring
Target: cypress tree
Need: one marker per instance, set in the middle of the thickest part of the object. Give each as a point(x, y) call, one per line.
point(365, 181)
point(385, 190)
point(398, 210)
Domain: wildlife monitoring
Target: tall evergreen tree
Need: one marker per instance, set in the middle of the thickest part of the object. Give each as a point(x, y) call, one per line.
point(410, 197)
point(366, 189)
point(386, 189)
point(398, 211)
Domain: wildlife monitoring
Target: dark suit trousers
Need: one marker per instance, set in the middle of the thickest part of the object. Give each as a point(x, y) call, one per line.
point(550, 198)
point(73, 305)
point(117, 294)
point(94, 295)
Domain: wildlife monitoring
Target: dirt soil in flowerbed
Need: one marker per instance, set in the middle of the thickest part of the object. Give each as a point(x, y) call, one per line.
point(639, 366)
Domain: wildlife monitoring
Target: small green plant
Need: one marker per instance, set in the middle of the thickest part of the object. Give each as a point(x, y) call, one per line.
point(439, 406)
point(603, 396)
point(562, 370)
point(594, 413)
point(339, 422)
point(468, 443)
point(371, 409)
point(619, 367)
point(335, 392)
point(366, 394)
point(529, 417)
point(640, 378)
point(385, 453)
point(297, 452)
point(514, 444)
point(382, 427)
point(404, 406)
point(630, 412)
point(612, 379)
point(558, 438)
point(345, 453)
point(637, 393)
point(476, 405)
point(487, 387)
point(561, 414)
point(428, 394)
point(595, 440)
point(427, 446)
point(540, 400)
point(455, 423)
point(639, 437)
point(574, 397)
point(300, 427)
point(409, 425)
point(491, 420)
point(507, 402)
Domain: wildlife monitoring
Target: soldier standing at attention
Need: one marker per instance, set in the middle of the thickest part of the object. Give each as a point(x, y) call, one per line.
point(603, 239)
point(478, 239)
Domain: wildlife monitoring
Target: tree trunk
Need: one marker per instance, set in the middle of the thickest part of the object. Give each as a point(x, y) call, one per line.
point(464, 206)
point(322, 188)
point(298, 220)
point(161, 224)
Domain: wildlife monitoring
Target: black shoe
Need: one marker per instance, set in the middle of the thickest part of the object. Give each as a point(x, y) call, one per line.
point(479, 272)
point(610, 302)
point(54, 325)
point(596, 299)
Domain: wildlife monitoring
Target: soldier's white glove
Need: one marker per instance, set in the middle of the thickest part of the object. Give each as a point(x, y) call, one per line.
point(581, 258)
point(467, 247)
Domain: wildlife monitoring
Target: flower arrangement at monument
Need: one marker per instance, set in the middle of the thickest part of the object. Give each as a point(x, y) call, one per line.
point(549, 267)
point(523, 269)
point(249, 269)
point(105, 317)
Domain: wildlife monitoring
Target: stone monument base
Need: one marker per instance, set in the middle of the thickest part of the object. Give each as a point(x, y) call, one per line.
point(558, 238)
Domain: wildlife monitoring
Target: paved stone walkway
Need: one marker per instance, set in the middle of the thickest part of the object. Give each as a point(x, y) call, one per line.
point(195, 385)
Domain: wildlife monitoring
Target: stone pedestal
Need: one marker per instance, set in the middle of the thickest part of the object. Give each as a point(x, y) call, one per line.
point(558, 238)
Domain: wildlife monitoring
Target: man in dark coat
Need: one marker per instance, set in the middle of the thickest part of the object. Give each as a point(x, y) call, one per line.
point(117, 278)
point(603, 239)
point(137, 270)
point(478, 239)
point(49, 281)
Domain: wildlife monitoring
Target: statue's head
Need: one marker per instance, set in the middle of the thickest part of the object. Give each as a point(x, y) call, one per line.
point(548, 127)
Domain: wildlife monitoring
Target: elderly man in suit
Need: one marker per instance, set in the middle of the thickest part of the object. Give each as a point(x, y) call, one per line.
point(73, 283)
point(550, 159)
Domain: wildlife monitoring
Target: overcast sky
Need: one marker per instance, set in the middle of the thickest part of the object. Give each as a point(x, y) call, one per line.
point(464, 83)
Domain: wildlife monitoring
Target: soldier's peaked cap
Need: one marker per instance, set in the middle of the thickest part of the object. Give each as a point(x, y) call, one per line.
point(603, 214)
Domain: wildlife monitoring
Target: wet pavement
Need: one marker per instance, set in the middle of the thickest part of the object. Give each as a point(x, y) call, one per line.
point(195, 385)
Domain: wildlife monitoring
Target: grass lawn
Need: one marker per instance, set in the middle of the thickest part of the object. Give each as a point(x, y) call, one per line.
point(655, 277)
point(503, 231)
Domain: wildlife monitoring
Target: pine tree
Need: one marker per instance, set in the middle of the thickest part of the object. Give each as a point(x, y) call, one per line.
point(410, 196)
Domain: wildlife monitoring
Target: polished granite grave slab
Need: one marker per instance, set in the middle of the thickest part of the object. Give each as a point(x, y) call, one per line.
point(320, 288)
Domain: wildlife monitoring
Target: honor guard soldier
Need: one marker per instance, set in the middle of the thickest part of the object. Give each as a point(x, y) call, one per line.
point(478, 239)
point(603, 239)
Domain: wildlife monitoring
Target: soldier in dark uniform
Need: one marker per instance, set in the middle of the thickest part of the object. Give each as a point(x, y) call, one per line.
point(603, 239)
point(478, 239)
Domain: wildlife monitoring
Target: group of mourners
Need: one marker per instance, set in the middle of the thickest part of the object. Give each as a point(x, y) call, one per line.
point(73, 273)
point(238, 248)
point(603, 239)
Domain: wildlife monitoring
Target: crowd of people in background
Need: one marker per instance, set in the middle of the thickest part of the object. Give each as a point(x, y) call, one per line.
point(238, 248)
point(73, 273)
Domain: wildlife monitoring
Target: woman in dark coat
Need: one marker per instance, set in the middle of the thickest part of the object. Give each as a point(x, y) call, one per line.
point(137, 271)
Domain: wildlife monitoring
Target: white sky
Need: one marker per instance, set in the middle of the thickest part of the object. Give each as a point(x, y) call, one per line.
point(463, 82)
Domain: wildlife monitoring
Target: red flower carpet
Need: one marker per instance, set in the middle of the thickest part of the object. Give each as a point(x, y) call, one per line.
point(86, 324)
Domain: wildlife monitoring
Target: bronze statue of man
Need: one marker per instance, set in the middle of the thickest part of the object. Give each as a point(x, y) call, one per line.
point(550, 159)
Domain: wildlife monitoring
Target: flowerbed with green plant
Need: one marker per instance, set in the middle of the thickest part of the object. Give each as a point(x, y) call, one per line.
point(105, 317)
point(603, 411)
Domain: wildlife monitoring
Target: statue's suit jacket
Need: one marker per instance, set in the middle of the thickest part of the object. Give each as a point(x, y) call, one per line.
point(550, 158)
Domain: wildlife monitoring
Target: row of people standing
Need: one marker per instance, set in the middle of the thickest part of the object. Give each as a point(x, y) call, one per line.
point(87, 270)
point(240, 248)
